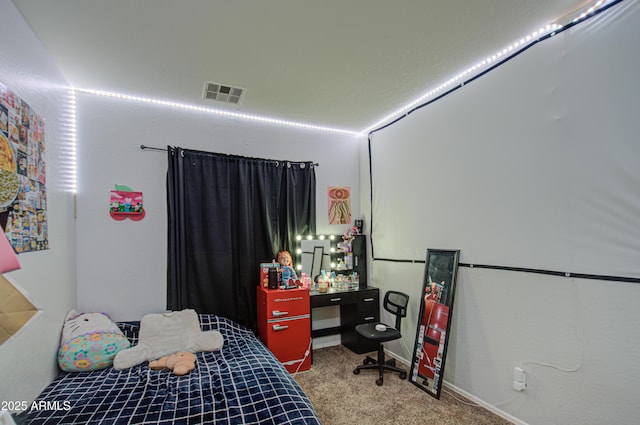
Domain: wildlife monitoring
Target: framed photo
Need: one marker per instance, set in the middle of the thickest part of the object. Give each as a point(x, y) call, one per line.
point(434, 320)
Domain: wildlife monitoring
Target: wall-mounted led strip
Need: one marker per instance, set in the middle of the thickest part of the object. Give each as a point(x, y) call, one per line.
point(67, 166)
point(459, 80)
point(257, 118)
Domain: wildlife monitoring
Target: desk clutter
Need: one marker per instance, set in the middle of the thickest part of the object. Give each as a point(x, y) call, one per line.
point(286, 299)
point(279, 274)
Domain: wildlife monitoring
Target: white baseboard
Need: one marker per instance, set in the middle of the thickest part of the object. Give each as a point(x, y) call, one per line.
point(480, 402)
point(398, 358)
point(324, 344)
point(484, 404)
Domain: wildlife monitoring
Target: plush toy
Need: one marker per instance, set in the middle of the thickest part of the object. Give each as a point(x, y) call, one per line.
point(89, 341)
point(180, 363)
point(163, 334)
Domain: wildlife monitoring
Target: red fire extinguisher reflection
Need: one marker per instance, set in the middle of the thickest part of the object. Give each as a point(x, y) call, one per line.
point(434, 321)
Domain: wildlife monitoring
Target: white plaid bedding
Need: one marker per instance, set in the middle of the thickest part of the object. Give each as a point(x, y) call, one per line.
point(241, 384)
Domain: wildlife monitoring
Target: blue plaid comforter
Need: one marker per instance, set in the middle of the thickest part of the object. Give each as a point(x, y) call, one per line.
point(241, 384)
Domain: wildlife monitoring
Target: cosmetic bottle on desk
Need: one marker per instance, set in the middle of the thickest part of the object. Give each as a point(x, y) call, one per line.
point(352, 261)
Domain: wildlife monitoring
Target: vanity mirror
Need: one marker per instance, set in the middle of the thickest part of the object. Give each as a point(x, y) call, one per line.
point(313, 254)
point(333, 253)
point(434, 320)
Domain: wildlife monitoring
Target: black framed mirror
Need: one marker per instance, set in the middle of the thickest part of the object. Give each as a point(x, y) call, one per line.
point(434, 320)
point(313, 253)
point(316, 261)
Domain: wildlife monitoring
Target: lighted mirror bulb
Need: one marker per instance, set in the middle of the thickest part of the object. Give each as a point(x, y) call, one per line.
point(299, 267)
point(309, 237)
point(332, 237)
point(321, 237)
point(333, 249)
point(298, 251)
point(298, 238)
point(333, 265)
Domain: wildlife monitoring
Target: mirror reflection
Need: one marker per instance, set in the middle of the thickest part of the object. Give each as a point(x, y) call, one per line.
point(434, 324)
point(342, 258)
point(315, 255)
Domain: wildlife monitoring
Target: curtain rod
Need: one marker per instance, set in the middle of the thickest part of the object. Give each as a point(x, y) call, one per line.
point(143, 147)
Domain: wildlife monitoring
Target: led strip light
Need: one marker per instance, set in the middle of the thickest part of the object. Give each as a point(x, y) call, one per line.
point(67, 166)
point(257, 118)
point(550, 29)
point(458, 80)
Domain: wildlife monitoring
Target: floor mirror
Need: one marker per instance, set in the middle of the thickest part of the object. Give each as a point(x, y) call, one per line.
point(434, 320)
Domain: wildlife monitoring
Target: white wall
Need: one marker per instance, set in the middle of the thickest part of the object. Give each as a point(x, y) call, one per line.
point(28, 360)
point(577, 339)
point(122, 264)
point(500, 319)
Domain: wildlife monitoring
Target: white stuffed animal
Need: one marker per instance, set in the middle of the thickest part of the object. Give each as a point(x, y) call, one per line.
point(167, 333)
point(89, 341)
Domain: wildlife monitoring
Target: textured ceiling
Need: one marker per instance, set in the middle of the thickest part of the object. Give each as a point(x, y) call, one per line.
point(338, 63)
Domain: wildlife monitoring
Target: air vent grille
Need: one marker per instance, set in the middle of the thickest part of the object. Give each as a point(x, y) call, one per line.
point(223, 93)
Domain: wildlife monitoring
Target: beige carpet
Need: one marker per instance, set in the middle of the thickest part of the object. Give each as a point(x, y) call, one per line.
point(340, 397)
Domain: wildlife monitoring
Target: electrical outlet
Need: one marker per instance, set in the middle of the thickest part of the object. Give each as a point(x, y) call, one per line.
point(519, 379)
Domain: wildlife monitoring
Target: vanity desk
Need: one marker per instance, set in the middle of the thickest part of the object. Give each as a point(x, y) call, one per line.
point(357, 306)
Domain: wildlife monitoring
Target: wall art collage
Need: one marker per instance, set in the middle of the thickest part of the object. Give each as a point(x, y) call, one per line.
point(23, 194)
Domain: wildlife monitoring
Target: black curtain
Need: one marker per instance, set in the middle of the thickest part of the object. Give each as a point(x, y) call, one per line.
point(226, 215)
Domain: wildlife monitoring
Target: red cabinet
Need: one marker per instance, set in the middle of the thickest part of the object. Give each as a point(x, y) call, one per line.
point(284, 325)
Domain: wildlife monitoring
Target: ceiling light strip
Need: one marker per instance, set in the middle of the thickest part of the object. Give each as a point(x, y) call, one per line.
point(249, 117)
point(491, 62)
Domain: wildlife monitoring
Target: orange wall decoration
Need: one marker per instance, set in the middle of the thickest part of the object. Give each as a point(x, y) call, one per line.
point(339, 204)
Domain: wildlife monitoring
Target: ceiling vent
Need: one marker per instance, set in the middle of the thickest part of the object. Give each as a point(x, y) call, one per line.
point(222, 93)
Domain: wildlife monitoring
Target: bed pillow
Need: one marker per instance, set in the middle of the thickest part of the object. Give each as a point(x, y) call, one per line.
point(89, 341)
point(167, 333)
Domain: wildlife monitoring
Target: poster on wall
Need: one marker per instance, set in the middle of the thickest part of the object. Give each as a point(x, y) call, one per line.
point(125, 203)
point(23, 200)
point(339, 205)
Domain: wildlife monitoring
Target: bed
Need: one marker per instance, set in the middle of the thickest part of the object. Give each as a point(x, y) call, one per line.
point(241, 384)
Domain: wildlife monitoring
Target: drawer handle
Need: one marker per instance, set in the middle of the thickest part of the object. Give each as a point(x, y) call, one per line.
point(278, 313)
point(280, 327)
point(369, 318)
point(368, 299)
point(335, 299)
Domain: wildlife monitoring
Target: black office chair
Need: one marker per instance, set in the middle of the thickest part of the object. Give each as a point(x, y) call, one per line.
point(395, 303)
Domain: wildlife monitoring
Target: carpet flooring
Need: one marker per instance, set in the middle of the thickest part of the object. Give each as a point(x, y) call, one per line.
point(340, 397)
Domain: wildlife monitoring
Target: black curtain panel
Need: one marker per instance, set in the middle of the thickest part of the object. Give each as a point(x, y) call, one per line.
point(297, 207)
point(226, 215)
